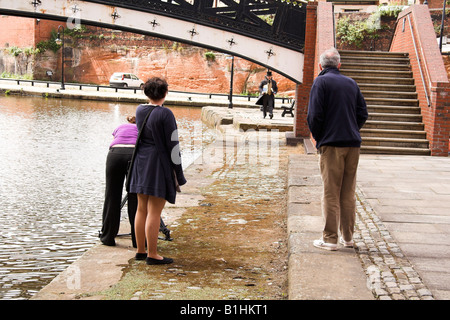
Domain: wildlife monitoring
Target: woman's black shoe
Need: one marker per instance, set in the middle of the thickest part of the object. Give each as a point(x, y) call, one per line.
point(140, 256)
point(157, 261)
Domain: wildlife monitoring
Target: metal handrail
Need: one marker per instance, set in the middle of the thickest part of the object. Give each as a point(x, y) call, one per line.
point(425, 87)
point(442, 26)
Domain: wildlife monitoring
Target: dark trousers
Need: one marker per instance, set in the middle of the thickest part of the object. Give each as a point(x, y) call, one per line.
point(268, 104)
point(116, 170)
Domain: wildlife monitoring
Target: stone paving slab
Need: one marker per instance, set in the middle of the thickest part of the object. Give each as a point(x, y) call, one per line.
point(410, 194)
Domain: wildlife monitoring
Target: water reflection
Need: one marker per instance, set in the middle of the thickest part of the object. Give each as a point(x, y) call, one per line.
point(53, 155)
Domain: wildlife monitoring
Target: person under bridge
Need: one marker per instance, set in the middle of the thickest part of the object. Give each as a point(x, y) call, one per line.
point(268, 88)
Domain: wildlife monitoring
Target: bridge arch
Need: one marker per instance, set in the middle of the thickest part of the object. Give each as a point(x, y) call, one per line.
point(231, 26)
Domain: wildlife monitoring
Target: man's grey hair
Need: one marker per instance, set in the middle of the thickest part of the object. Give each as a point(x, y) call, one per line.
point(330, 58)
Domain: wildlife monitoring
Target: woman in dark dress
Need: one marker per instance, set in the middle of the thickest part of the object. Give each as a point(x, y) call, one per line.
point(156, 170)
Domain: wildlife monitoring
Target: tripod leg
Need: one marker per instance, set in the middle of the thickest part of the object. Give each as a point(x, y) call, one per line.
point(165, 230)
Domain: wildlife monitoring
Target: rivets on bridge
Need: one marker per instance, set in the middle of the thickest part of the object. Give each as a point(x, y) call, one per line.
point(193, 32)
point(115, 15)
point(153, 23)
point(35, 3)
point(269, 53)
point(231, 42)
point(75, 8)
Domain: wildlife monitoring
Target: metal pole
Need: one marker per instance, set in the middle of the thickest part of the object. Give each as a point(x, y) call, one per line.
point(230, 106)
point(442, 26)
point(62, 56)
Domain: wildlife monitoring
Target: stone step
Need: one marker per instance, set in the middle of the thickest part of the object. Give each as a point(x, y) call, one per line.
point(381, 54)
point(392, 102)
point(389, 133)
point(393, 109)
point(395, 150)
point(394, 125)
point(401, 117)
point(386, 87)
point(395, 142)
point(382, 80)
point(389, 94)
point(376, 73)
point(375, 66)
point(375, 60)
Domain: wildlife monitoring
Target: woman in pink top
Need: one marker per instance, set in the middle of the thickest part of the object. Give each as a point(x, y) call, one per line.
point(120, 152)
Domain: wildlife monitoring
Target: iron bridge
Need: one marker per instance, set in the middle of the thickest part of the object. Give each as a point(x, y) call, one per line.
point(268, 32)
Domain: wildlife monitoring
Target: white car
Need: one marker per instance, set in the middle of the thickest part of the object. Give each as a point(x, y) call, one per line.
point(125, 80)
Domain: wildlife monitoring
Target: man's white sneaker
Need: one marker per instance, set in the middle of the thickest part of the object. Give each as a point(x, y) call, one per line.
point(347, 244)
point(323, 245)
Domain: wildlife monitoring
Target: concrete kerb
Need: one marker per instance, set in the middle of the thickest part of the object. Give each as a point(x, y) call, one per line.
point(316, 274)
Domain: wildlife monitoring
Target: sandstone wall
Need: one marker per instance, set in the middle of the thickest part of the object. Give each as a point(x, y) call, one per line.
point(94, 55)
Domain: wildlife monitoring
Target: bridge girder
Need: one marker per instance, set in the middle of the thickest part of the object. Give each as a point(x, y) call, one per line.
point(285, 59)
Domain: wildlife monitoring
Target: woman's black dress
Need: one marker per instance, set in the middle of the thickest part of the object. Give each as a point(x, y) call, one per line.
point(158, 157)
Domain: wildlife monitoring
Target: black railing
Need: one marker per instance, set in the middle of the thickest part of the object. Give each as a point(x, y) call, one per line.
point(275, 21)
point(80, 86)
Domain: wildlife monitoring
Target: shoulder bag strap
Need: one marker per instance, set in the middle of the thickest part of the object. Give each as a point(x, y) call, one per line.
point(131, 162)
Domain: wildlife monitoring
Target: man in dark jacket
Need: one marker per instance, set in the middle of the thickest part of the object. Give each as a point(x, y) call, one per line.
point(336, 112)
point(268, 88)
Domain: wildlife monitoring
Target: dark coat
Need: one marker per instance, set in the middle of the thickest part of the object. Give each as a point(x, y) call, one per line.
point(336, 111)
point(264, 82)
point(157, 156)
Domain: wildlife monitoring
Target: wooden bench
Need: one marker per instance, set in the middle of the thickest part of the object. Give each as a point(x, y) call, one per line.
point(288, 109)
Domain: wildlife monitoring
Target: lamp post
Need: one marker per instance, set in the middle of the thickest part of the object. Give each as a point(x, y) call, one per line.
point(60, 40)
point(230, 105)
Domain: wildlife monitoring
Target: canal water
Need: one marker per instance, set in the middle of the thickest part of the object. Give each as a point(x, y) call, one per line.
point(52, 181)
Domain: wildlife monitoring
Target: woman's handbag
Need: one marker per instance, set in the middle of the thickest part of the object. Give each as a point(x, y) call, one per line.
point(131, 162)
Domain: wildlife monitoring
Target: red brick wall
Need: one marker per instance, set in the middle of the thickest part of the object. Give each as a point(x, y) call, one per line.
point(15, 31)
point(25, 32)
point(43, 29)
point(302, 92)
point(436, 116)
point(319, 37)
point(436, 4)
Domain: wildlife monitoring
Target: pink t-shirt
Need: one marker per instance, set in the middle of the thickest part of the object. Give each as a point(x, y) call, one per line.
point(125, 134)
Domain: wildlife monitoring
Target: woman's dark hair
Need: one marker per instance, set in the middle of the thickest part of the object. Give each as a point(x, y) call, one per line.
point(156, 88)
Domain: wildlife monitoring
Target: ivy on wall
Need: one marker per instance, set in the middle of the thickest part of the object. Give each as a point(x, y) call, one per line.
point(356, 32)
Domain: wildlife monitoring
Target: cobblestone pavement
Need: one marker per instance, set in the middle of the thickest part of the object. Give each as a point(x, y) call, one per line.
point(408, 199)
point(390, 275)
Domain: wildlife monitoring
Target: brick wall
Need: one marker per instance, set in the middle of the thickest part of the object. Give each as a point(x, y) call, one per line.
point(435, 4)
point(319, 36)
point(15, 31)
point(25, 32)
point(384, 33)
point(43, 29)
point(302, 90)
point(429, 62)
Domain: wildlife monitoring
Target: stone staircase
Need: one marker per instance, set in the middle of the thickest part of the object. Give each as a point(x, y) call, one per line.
point(395, 123)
